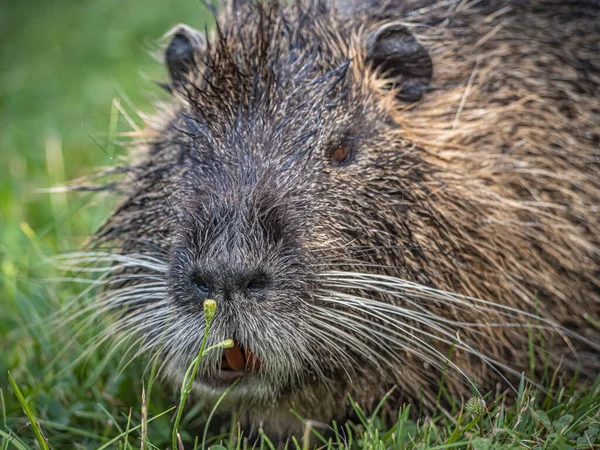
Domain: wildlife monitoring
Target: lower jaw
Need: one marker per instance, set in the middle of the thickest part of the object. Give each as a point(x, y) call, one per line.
point(238, 390)
point(225, 378)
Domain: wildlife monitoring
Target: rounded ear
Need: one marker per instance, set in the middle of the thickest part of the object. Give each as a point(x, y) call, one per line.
point(399, 56)
point(182, 52)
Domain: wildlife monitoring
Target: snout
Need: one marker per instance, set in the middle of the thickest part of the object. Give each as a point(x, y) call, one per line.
point(238, 253)
point(262, 298)
point(245, 250)
point(227, 284)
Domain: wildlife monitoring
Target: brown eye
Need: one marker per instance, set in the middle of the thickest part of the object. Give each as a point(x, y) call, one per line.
point(341, 153)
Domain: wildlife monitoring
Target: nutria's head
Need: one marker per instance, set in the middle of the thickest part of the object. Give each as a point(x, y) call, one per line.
point(313, 177)
point(286, 156)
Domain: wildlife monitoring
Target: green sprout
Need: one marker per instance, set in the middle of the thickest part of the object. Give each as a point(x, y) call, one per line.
point(210, 307)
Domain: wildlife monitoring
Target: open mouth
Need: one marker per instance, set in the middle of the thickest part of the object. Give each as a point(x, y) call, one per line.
point(237, 362)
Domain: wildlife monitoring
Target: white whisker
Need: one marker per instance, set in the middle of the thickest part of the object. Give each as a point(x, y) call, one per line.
point(406, 289)
point(404, 335)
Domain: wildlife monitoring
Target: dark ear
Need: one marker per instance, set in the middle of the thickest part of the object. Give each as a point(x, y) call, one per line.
point(398, 55)
point(182, 52)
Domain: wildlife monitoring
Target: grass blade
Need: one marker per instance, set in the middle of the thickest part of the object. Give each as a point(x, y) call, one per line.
point(30, 415)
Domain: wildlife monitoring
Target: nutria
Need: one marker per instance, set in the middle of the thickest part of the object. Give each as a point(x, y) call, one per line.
point(374, 193)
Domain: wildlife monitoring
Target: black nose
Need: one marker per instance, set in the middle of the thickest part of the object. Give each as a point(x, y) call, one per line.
point(256, 281)
point(201, 284)
point(213, 283)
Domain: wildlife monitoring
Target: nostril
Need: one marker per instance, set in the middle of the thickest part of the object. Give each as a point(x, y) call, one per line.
point(200, 283)
point(256, 282)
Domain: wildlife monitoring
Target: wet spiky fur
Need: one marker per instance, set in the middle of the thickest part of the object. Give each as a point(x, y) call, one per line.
point(463, 221)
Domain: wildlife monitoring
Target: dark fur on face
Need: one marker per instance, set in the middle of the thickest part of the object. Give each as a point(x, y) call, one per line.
point(361, 189)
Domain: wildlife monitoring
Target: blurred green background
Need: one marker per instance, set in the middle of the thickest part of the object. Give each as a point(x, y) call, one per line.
point(62, 63)
point(65, 65)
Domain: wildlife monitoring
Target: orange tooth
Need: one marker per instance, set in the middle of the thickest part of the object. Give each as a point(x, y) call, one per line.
point(252, 361)
point(235, 358)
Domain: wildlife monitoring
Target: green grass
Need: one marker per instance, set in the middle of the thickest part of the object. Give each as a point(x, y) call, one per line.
point(65, 66)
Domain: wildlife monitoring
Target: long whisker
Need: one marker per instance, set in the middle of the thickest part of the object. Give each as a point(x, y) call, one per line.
point(405, 335)
point(405, 289)
point(377, 339)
